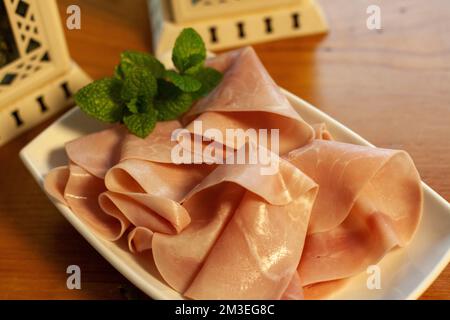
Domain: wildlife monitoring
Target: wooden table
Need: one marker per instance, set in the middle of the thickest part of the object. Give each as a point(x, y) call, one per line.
point(390, 86)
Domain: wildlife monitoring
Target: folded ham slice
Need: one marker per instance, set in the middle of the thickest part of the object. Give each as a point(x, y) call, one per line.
point(257, 254)
point(210, 210)
point(369, 201)
point(107, 145)
point(140, 239)
point(254, 226)
point(131, 180)
point(236, 231)
point(55, 183)
point(80, 184)
point(81, 195)
point(294, 291)
point(146, 187)
point(248, 98)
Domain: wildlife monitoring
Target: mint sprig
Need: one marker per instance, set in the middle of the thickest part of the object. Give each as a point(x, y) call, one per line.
point(189, 52)
point(143, 92)
point(101, 100)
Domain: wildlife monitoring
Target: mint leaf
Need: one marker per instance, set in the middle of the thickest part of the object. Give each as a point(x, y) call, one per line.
point(209, 78)
point(132, 105)
point(141, 104)
point(141, 124)
point(118, 72)
point(134, 59)
point(101, 100)
point(171, 103)
point(145, 104)
point(184, 82)
point(189, 51)
point(142, 92)
point(138, 82)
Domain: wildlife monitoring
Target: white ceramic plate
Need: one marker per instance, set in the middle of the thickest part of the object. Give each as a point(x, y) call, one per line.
point(405, 273)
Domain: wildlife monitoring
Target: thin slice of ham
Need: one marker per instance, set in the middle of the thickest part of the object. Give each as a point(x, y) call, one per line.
point(240, 249)
point(140, 239)
point(257, 254)
point(138, 214)
point(97, 152)
point(80, 184)
point(210, 210)
point(369, 201)
point(248, 98)
point(323, 290)
point(343, 171)
point(81, 194)
point(228, 231)
point(156, 147)
point(55, 182)
point(294, 291)
point(145, 186)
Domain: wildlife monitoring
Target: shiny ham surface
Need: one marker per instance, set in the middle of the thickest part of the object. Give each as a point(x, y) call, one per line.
point(369, 201)
point(235, 231)
point(248, 98)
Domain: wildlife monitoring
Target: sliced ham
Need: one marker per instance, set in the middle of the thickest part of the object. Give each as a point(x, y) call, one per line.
point(369, 201)
point(343, 171)
point(138, 214)
point(294, 291)
point(156, 147)
point(55, 182)
point(323, 290)
point(151, 186)
point(236, 231)
point(107, 145)
point(210, 210)
point(248, 98)
point(140, 239)
point(258, 252)
point(211, 204)
point(81, 183)
point(251, 252)
point(81, 194)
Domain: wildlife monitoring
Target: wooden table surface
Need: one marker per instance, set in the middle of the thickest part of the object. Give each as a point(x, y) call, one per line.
point(391, 86)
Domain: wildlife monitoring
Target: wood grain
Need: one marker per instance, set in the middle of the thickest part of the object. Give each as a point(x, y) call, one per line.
point(391, 86)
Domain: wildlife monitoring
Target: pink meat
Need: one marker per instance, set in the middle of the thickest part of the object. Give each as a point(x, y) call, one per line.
point(248, 98)
point(257, 254)
point(81, 183)
point(150, 186)
point(294, 291)
point(369, 201)
point(81, 194)
point(210, 211)
point(138, 214)
point(323, 290)
point(106, 143)
point(262, 234)
point(228, 231)
point(55, 182)
point(140, 239)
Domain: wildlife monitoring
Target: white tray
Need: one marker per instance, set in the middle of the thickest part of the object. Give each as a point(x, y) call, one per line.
point(405, 273)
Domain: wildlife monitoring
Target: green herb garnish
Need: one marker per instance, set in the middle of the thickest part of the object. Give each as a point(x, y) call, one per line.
point(142, 91)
